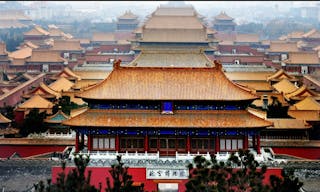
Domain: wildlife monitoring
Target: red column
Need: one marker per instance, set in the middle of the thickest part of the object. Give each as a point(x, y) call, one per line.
point(117, 143)
point(253, 141)
point(245, 142)
point(217, 144)
point(258, 144)
point(146, 143)
point(188, 147)
point(77, 142)
point(82, 141)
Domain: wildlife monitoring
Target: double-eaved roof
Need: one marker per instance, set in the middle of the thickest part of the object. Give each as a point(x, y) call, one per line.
point(167, 83)
point(186, 57)
point(172, 24)
point(181, 119)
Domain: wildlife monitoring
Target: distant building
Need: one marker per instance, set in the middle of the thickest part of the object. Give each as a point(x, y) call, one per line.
point(127, 22)
point(301, 62)
point(223, 22)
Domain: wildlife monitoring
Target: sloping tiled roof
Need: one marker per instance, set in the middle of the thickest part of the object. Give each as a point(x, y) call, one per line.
point(249, 76)
point(247, 38)
point(167, 83)
point(67, 45)
point(303, 58)
point(281, 74)
point(57, 118)
point(22, 53)
point(169, 58)
point(103, 37)
point(177, 22)
point(174, 11)
point(180, 119)
point(289, 124)
point(174, 35)
point(84, 83)
point(36, 101)
point(302, 93)
point(3, 119)
point(295, 35)
point(284, 86)
point(37, 30)
point(78, 111)
point(67, 73)
point(83, 41)
point(61, 84)
point(278, 46)
point(31, 45)
point(313, 33)
point(92, 75)
point(256, 85)
point(309, 103)
point(45, 56)
point(44, 91)
point(308, 115)
point(223, 16)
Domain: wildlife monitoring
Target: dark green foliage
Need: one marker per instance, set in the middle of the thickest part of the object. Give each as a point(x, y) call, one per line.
point(74, 181)
point(237, 174)
point(122, 181)
point(33, 123)
point(276, 110)
point(12, 37)
point(8, 111)
point(277, 27)
point(288, 183)
point(66, 105)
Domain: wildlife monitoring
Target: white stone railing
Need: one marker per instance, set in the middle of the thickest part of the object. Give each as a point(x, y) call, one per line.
point(53, 135)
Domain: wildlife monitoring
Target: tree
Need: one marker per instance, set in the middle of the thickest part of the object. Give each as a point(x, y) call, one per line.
point(239, 173)
point(287, 183)
point(66, 105)
point(122, 181)
point(75, 181)
point(33, 123)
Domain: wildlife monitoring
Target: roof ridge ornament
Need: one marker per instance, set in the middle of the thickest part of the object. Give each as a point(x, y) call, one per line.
point(217, 64)
point(116, 64)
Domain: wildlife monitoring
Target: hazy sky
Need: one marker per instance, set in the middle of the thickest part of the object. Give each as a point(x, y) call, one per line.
point(89, 4)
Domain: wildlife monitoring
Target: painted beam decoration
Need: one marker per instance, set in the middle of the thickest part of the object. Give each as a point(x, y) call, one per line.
point(167, 173)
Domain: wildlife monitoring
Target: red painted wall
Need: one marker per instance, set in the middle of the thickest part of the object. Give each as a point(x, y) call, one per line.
point(99, 175)
point(304, 152)
point(28, 150)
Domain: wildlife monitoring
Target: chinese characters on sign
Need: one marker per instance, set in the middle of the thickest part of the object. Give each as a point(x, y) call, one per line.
point(161, 173)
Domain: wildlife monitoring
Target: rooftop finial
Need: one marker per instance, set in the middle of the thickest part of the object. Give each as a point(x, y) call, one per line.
point(217, 64)
point(116, 64)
